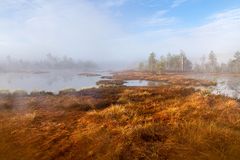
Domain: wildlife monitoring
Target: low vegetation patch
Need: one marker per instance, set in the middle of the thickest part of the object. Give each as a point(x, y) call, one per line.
point(166, 122)
point(170, 78)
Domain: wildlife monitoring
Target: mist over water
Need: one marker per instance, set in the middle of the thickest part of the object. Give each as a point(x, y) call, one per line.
point(44, 45)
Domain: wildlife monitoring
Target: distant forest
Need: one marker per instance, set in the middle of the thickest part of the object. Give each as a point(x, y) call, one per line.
point(49, 62)
point(181, 63)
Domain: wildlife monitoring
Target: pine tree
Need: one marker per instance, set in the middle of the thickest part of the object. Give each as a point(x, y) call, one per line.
point(152, 63)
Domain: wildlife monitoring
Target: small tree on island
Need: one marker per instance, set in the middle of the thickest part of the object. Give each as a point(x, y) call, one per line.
point(161, 64)
point(152, 63)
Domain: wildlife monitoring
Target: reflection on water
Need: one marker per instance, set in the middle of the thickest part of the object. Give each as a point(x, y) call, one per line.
point(227, 85)
point(144, 83)
point(52, 81)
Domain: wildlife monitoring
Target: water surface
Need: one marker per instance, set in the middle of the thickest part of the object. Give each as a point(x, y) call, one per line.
point(142, 83)
point(228, 85)
point(53, 81)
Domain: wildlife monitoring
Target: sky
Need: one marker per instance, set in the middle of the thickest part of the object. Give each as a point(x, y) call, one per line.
point(118, 30)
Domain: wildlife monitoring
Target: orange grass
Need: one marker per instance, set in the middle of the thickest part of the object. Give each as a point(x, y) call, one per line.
point(166, 122)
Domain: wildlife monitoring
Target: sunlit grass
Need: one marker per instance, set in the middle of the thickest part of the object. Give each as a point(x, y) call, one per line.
point(165, 122)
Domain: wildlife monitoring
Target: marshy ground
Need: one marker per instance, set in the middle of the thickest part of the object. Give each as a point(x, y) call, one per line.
point(172, 121)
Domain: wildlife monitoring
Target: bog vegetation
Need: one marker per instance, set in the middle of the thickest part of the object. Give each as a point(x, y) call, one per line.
point(165, 122)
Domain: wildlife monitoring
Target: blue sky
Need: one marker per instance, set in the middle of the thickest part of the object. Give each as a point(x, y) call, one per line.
point(182, 13)
point(118, 30)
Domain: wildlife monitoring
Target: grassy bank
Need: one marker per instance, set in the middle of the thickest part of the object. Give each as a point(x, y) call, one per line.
point(171, 78)
point(165, 122)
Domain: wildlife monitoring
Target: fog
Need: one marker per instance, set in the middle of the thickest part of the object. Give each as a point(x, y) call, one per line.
point(31, 29)
point(96, 31)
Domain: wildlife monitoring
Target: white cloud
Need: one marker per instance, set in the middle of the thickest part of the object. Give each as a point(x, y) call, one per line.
point(158, 19)
point(177, 3)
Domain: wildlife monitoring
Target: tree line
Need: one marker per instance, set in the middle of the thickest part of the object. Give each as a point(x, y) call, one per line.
point(181, 63)
point(49, 62)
